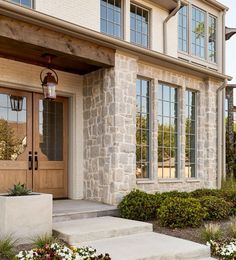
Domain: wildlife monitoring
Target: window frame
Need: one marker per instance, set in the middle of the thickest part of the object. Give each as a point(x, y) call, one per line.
point(195, 132)
point(149, 173)
point(187, 30)
point(178, 131)
point(122, 13)
point(20, 4)
point(189, 53)
point(137, 5)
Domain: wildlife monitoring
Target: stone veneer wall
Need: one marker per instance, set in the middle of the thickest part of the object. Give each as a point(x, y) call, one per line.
point(110, 131)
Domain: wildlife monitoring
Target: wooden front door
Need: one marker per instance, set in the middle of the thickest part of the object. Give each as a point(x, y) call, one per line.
point(33, 143)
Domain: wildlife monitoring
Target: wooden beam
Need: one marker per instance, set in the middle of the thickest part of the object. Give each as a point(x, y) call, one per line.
point(86, 51)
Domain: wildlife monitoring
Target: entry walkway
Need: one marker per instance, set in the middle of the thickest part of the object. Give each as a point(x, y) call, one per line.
point(128, 240)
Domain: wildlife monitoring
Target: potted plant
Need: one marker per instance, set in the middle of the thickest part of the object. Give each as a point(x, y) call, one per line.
point(25, 214)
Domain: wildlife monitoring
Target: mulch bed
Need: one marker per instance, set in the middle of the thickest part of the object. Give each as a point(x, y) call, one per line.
point(192, 234)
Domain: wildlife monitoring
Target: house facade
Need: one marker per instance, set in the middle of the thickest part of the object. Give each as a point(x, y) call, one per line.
point(138, 102)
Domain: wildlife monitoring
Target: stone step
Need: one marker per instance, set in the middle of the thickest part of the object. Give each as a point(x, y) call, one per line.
point(149, 246)
point(83, 230)
point(65, 210)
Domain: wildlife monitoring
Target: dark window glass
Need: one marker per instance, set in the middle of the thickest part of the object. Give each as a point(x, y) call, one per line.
point(142, 128)
point(183, 29)
point(167, 131)
point(190, 134)
point(212, 38)
point(110, 21)
point(26, 3)
point(139, 25)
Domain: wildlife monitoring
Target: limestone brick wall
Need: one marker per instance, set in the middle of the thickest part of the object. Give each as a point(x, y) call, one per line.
point(109, 127)
point(110, 130)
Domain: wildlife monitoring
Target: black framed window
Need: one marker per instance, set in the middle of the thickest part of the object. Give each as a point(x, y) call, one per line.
point(26, 3)
point(139, 25)
point(183, 29)
point(142, 128)
point(190, 134)
point(167, 132)
point(111, 17)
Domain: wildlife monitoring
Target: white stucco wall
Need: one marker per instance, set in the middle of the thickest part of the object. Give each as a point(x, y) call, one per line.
point(82, 12)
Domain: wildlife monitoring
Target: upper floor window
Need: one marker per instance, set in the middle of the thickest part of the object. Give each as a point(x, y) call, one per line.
point(167, 132)
point(212, 38)
point(139, 25)
point(190, 134)
point(183, 29)
point(198, 32)
point(142, 128)
point(194, 40)
point(26, 3)
point(111, 17)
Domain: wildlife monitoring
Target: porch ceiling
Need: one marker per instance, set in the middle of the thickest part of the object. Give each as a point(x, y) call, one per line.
point(27, 42)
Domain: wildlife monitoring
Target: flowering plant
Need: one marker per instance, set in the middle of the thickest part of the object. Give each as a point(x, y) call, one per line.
point(225, 249)
point(58, 251)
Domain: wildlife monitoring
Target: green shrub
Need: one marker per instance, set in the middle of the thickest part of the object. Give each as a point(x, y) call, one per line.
point(181, 212)
point(173, 194)
point(7, 246)
point(230, 197)
point(139, 205)
point(210, 232)
point(217, 208)
point(19, 190)
point(205, 192)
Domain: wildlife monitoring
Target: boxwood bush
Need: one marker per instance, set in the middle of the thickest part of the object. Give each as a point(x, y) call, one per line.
point(217, 208)
point(230, 197)
point(205, 192)
point(139, 205)
point(179, 212)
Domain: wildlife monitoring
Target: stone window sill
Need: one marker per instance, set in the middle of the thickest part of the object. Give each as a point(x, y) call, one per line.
point(192, 180)
point(170, 181)
point(145, 181)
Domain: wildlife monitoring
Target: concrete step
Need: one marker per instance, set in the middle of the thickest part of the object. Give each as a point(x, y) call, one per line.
point(83, 230)
point(150, 246)
point(65, 210)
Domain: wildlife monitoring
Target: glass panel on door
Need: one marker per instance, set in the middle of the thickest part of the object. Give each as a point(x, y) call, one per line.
point(51, 129)
point(13, 129)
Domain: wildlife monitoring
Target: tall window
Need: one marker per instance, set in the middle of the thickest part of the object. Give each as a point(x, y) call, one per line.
point(142, 128)
point(139, 25)
point(167, 132)
point(183, 29)
point(198, 32)
point(212, 38)
point(26, 3)
point(111, 17)
point(190, 134)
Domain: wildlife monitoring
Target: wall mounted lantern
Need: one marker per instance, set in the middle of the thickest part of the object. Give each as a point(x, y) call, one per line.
point(50, 80)
point(16, 103)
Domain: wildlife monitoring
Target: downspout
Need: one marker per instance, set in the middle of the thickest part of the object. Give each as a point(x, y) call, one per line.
point(173, 13)
point(220, 118)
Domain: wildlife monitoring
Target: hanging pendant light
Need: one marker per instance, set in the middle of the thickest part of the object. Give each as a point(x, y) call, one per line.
point(16, 103)
point(50, 80)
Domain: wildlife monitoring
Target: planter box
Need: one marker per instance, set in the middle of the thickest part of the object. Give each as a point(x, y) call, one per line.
point(25, 217)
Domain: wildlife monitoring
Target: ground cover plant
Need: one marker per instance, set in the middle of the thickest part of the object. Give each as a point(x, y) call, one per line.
point(181, 214)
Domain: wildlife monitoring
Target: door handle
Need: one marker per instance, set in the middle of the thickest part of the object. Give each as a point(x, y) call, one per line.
point(30, 161)
point(36, 161)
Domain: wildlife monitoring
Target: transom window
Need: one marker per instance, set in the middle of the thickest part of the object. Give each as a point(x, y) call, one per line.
point(200, 39)
point(142, 128)
point(139, 25)
point(198, 32)
point(190, 134)
point(183, 29)
point(111, 17)
point(26, 3)
point(167, 131)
